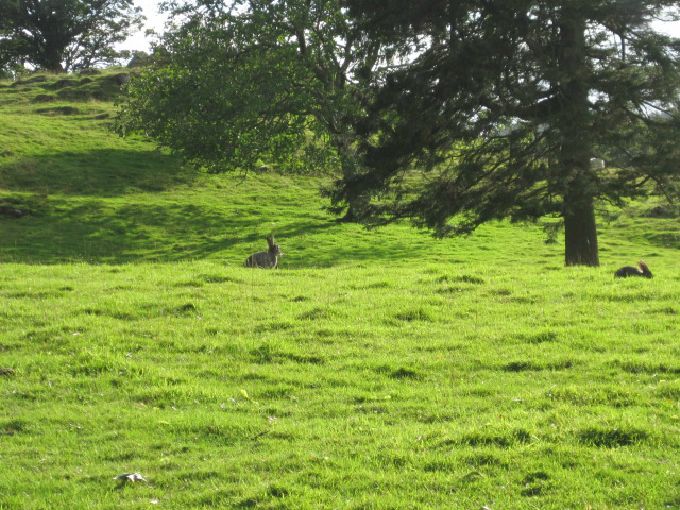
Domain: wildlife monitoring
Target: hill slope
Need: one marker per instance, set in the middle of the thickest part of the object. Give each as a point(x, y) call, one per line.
point(374, 370)
point(97, 197)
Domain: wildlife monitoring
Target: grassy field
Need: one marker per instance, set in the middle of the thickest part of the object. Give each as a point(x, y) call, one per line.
point(374, 370)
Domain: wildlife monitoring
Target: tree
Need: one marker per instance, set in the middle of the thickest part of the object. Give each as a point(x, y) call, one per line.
point(505, 103)
point(140, 59)
point(246, 84)
point(63, 35)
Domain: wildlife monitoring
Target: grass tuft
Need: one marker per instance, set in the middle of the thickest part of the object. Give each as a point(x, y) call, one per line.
point(416, 314)
point(611, 437)
point(13, 427)
point(405, 373)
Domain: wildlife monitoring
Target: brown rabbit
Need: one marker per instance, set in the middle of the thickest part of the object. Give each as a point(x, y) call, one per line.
point(265, 259)
point(626, 271)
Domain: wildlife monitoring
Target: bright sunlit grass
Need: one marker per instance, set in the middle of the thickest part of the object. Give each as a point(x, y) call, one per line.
point(373, 370)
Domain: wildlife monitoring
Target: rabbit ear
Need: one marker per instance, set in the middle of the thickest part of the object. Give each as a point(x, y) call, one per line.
point(270, 240)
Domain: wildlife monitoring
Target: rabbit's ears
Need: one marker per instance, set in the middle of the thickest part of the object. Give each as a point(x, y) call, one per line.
point(270, 240)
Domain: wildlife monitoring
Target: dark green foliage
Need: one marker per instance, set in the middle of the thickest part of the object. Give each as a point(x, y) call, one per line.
point(140, 59)
point(499, 114)
point(63, 35)
point(271, 85)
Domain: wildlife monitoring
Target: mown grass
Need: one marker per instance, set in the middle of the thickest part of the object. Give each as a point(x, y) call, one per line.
point(373, 370)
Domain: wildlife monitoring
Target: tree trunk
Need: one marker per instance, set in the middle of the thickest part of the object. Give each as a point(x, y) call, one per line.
point(349, 216)
point(578, 182)
point(580, 232)
point(53, 60)
point(342, 141)
point(51, 56)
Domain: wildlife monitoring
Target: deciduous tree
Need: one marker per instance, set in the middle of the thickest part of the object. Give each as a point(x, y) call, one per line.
point(62, 35)
point(253, 83)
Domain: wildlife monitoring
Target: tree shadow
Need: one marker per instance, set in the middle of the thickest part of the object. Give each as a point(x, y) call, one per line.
point(95, 232)
point(100, 172)
point(99, 231)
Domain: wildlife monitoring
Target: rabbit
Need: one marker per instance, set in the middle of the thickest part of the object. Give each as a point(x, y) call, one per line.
point(265, 259)
point(626, 271)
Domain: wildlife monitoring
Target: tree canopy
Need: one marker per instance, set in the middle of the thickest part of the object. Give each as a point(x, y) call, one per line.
point(505, 103)
point(253, 83)
point(62, 35)
point(448, 113)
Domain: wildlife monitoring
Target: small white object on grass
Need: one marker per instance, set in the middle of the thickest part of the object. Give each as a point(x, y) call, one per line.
point(130, 477)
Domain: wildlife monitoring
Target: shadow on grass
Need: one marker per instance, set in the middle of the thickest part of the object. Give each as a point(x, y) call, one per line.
point(95, 231)
point(103, 172)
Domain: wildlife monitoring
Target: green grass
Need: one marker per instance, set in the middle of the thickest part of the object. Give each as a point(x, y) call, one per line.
point(374, 370)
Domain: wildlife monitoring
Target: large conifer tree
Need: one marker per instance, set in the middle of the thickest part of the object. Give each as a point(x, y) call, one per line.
point(504, 104)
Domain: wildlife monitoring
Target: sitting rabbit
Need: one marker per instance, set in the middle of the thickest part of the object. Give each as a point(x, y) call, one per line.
point(265, 259)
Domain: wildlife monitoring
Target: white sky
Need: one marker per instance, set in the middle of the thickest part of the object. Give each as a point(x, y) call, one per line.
point(671, 28)
point(155, 21)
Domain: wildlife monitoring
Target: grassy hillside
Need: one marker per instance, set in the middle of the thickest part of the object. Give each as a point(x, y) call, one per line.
point(374, 370)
